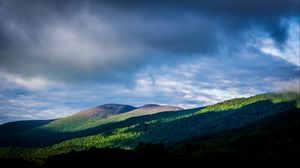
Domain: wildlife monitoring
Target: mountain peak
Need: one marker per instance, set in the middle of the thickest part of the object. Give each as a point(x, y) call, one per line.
point(106, 110)
point(114, 106)
point(155, 108)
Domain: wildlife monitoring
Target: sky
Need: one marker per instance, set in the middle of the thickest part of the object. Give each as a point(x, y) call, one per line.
point(60, 57)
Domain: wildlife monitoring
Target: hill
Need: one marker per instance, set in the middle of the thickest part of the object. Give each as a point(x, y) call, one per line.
point(83, 123)
point(104, 111)
point(127, 130)
point(270, 142)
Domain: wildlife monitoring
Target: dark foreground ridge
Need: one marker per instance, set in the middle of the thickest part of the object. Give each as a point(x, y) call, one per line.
point(271, 142)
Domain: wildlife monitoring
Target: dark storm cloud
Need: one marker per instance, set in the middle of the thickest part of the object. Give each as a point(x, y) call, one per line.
point(236, 13)
point(111, 39)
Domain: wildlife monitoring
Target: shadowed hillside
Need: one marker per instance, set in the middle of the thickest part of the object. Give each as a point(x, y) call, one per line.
point(11, 128)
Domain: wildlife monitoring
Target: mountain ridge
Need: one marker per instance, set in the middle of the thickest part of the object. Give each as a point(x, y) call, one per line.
point(105, 110)
point(127, 130)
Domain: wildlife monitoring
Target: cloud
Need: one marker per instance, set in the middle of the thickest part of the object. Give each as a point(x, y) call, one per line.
point(23, 105)
point(203, 82)
point(210, 80)
point(290, 51)
point(110, 41)
point(288, 86)
point(57, 57)
point(32, 83)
